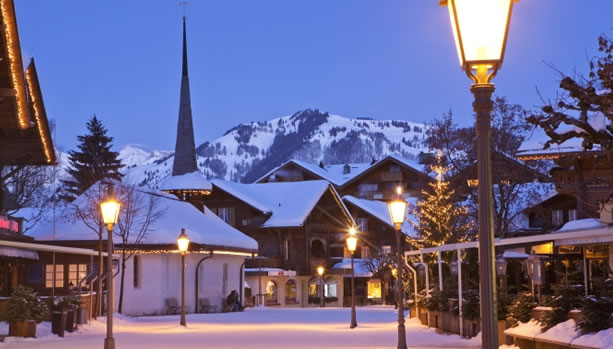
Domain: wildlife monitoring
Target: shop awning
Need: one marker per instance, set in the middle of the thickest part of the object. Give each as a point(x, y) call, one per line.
point(18, 252)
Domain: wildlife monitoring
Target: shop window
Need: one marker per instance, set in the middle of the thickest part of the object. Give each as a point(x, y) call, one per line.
point(76, 273)
point(290, 292)
point(271, 293)
point(362, 224)
point(59, 275)
point(330, 289)
point(314, 287)
point(374, 288)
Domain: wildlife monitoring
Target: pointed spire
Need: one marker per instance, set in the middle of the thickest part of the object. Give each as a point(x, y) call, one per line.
point(184, 48)
point(185, 148)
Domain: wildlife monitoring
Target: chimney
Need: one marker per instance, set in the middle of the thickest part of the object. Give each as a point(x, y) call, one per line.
point(346, 169)
point(321, 164)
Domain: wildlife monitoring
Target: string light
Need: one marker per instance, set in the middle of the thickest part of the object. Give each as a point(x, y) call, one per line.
point(15, 64)
point(39, 109)
point(176, 251)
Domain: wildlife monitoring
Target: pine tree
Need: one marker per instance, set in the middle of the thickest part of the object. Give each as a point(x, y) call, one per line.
point(93, 161)
point(439, 218)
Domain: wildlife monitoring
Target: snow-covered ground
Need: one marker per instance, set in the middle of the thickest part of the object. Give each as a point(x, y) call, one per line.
point(270, 328)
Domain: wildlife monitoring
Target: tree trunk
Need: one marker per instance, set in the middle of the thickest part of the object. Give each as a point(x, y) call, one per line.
point(123, 273)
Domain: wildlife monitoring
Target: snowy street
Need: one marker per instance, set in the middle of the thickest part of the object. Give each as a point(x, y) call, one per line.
point(254, 328)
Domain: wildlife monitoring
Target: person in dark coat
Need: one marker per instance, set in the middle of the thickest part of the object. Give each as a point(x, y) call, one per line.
point(234, 302)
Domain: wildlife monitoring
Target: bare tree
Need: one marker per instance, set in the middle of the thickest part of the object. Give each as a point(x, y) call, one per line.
point(139, 212)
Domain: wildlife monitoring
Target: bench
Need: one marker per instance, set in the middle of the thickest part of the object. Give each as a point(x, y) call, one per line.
point(225, 308)
point(171, 306)
point(206, 307)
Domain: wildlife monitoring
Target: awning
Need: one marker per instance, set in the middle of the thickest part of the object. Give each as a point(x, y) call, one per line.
point(17, 252)
point(590, 240)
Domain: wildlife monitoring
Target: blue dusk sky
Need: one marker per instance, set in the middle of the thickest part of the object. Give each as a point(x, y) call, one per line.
point(257, 60)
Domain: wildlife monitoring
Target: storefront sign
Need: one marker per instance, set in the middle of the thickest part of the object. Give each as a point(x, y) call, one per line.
point(11, 225)
point(282, 273)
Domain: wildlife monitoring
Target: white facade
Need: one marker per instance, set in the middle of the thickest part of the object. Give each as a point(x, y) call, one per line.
point(158, 277)
point(302, 284)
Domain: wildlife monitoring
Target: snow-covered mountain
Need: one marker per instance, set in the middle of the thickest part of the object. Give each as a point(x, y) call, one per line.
point(248, 151)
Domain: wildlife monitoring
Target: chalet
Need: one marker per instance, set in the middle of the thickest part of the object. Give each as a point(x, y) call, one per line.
point(298, 226)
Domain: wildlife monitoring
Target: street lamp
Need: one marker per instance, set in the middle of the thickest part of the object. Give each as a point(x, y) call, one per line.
point(109, 209)
point(480, 29)
point(320, 272)
point(352, 242)
point(183, 243)
point(398, 211)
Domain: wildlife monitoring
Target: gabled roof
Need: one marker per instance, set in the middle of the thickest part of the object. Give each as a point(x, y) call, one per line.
point(201, 228)
point(379, 210)
point(412, 165)
point(288, 203)
point(331, 173)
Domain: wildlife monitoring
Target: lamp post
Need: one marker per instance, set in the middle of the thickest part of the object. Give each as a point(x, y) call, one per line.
point(352, 242)
point(320, 272)
point(109, 210)
point(398, 210)
point(183, 243)
point(480, 29)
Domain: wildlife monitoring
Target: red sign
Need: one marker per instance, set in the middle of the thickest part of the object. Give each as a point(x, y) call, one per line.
point(9, 224)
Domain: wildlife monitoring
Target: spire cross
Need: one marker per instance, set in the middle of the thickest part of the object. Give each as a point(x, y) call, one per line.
point(184, 4)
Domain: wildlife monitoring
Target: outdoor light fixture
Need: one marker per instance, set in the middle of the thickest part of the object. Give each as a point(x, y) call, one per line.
point(501, 266)
point(398, 211)
point(352, 242)
point(320, 272)
point(183, 243)
point(480, 29)
point(109, 210)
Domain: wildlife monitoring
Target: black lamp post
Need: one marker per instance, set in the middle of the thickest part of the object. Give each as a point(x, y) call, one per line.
point(352, 242)
point(183, 243)
point(398, 210)
point(109, 210)
point(320, 272)
point(480, 29)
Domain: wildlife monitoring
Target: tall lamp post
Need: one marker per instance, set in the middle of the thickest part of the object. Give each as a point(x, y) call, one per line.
point(320, 272)
point(398, 210)
point(480, 29)
point(109, 210)
point(183, 243)
point(352, 242)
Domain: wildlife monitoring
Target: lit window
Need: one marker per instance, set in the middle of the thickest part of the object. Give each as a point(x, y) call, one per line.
point(76, 273)
point(290, 292)
point(362, 224)
point(387, 249)
point(572, 215)
point(374, 288)
point(364, 252)
point(271, 292)
point(557, 217)
point(59, 275)
point(330, 289)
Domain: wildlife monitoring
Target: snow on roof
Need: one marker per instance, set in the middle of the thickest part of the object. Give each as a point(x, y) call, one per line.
point(202, 228)
point(586, 223)
point(288, 203)
point(192, 181)
point(361, 268)
point(515, 255)
point(380, 210)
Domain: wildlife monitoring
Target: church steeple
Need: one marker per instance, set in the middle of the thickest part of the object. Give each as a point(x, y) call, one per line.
point(185, 147)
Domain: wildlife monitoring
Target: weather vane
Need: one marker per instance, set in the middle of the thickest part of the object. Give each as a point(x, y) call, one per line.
point(184, 4)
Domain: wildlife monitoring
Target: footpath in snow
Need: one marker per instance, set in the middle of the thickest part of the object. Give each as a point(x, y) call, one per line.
point(270, 328)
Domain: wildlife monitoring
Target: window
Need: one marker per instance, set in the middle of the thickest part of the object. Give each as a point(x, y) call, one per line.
point(317, 249)
point(366, 187)
point(572, 214)
point(227, 214)
point(59, 275)
point(557, 217)
point(35, 273)
point(394, 169)
point(290, 292)
point(362, 224)
point(76, 273)
point(313, 287)
point(330, 288)
point(136, 272)
point(224, 287)
point(364, 252)
point(271, 293)
point(374, 288)
point(246, 222)
point(387, 249)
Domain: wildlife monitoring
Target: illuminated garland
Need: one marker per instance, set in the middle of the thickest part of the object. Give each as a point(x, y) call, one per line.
point(15, 65)
point(215, 252)
point(39, 109)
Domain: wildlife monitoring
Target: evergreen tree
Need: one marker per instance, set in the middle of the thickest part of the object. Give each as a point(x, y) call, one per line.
point(93, 161)
point(439, 218)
